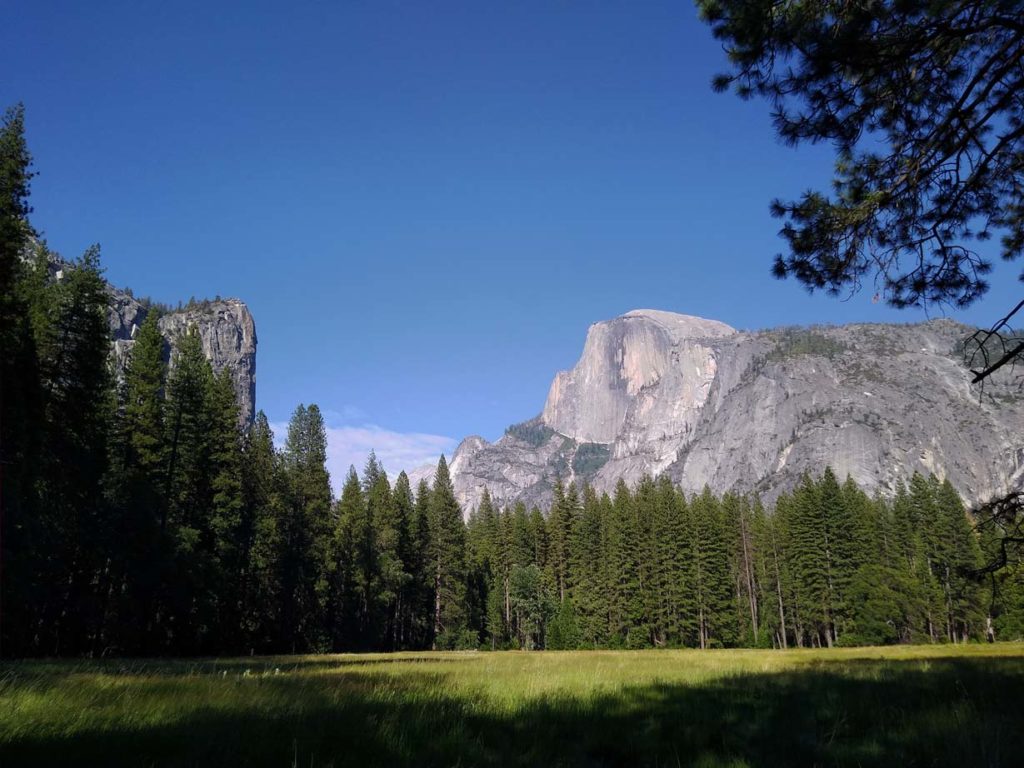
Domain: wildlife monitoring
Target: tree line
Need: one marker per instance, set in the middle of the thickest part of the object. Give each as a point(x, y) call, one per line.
point(650, 567)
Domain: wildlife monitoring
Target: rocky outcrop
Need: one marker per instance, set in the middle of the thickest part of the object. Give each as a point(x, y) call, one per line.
point(641, 378)
point(655, 392)
point(225, 326)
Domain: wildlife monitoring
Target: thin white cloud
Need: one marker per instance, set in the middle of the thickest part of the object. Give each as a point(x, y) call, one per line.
point(347, 414)
point(397, 451)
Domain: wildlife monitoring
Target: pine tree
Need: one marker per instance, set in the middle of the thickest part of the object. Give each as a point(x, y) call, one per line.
point(143, 407)
point(836, 542)
point(559, 532)
point(306, 530)
point(226, 510)
point(809, 562)
point(854, 544)
point(346, 603)
point(563, 632)
point(640, 542)
point(405, 520)
point(366, 553)
point(186, 612)
point(422, 583)
point(485, 549)
point(769, 533)
point(522, 540)
point(960, 556)
point(539, 537)
point(390, 574)
point(737, 518)
point(928, 546)
point(585, 564)
point(713, 595)
point(71, 339)
point(135, 491)
point(21, 541)
point(532, 605)
point(261, 537)
point(447, 559)
point(621, 576)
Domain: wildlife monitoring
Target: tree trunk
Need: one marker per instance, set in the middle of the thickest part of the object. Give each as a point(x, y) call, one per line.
point(748, 568)
point(778, 592)
point(508, 602)
point(437, 606)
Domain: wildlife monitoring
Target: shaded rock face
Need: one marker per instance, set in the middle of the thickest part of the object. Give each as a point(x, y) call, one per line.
point(225, 327)
point(660, 393)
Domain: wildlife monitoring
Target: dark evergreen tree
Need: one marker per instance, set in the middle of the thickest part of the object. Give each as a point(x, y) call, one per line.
point(226, 512)
point(72, 519)
point(621, 576)
point(713, 594)
point(20, 400)
point(560, 523)
point(563, 631)
point(346, 600)
point(135, 487)
point(447, 560)
point(587, 568)
point(422, 571)
point(404, 506)
point(958, 559)
point(484, 549)
point(532, 606)
point(261, 539)
point(185, 613)
point(306, 531)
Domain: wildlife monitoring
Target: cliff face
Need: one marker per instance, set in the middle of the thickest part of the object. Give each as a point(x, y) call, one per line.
point(641, 378)
point(225, 326)
point(655, 392)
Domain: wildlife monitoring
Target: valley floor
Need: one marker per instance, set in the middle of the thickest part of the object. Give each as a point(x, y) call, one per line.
point(908, 706)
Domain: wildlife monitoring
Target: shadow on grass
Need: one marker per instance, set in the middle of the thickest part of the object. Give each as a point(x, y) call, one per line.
point(40, 671)
point(967, 712)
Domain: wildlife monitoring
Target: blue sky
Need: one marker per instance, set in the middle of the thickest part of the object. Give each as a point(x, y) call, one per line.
point(424, 204)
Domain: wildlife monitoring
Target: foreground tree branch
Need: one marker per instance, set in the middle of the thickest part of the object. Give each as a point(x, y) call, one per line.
point(922, 101)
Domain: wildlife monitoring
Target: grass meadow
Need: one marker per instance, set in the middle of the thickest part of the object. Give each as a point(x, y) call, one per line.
point(904, 706)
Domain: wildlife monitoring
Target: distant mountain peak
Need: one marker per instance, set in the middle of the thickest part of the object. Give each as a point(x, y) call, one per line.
point(657, 392)
point(688, 326)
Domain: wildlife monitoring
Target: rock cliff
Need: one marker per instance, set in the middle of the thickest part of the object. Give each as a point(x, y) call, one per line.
point(656, 392)
point(225, 326)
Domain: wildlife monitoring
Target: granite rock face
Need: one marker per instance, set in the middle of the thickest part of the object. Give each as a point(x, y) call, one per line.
point(656, 392)
point(225, 327)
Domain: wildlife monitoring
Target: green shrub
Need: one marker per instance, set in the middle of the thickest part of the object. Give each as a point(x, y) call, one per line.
point(533, 432)
point(590, 457)
point(800, 342)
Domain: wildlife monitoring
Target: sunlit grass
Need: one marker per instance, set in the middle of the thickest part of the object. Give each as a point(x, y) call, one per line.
point(923, 705)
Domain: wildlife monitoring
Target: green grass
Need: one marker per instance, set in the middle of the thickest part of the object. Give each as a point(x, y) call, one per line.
point(904, 706)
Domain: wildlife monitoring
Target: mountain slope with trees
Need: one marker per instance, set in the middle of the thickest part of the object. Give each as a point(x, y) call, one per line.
point(753, 411)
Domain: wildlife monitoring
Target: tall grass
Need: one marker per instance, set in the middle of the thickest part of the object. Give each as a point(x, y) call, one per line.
point(934, 705)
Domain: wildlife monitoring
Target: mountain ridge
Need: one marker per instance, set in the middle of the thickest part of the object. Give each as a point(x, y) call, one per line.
point(656, 392)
